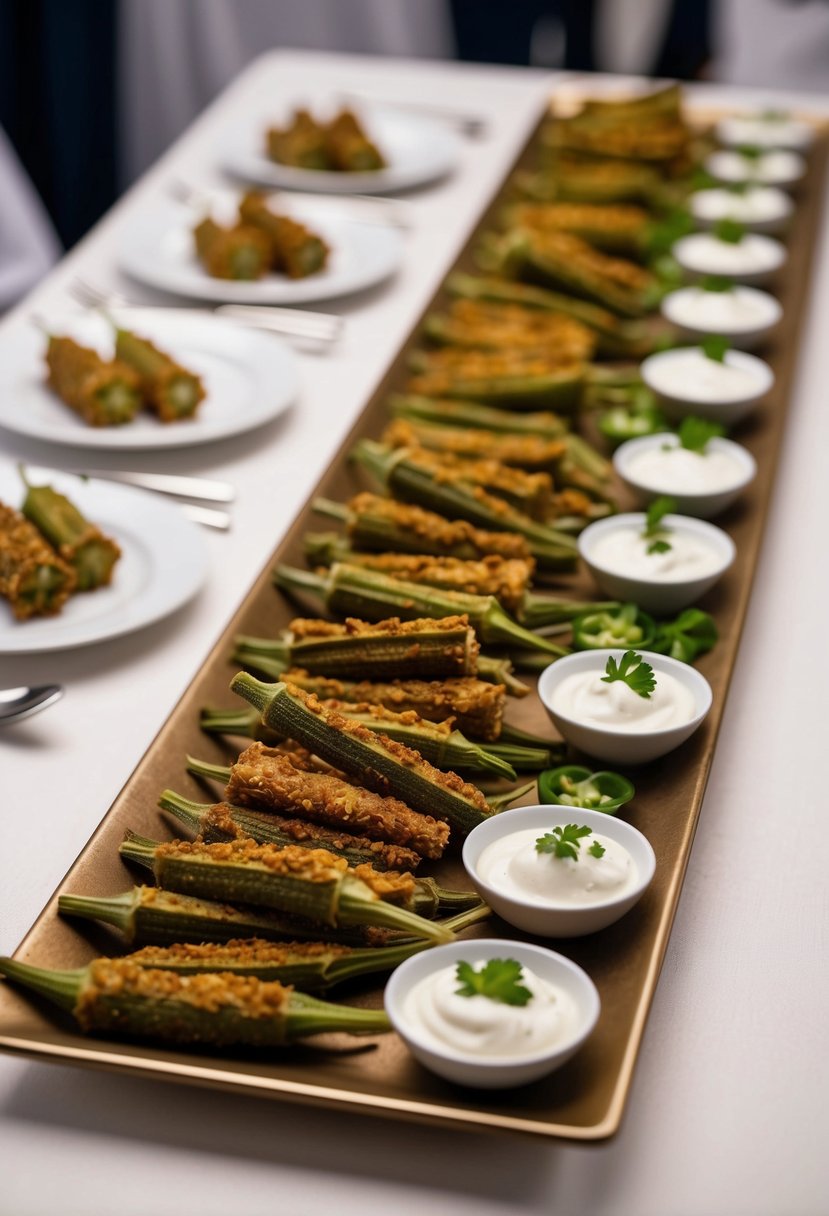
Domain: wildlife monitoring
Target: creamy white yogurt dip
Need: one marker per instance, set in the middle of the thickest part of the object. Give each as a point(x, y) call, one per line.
point(737, 311)
point(767, 205)
point(765, 131)
point(584, 697)
point(478, 1026)
point(673, 469)
point(753, 255)
point(773, 168)
point(624, 551)
point(691, 376)
point(514, 866)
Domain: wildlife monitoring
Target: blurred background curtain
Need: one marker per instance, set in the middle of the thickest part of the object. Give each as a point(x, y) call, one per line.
point(176, 55)
point(28, 242)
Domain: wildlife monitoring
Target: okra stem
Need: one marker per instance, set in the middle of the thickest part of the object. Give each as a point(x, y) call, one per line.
point(539, 611)
point(500, 802)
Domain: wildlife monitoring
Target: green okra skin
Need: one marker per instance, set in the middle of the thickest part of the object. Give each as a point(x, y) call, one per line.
point(104, 997)
point(438, 412)
point(80, 543)
point(368, 759)
point(523, 759)
point(539, 611)
point(151, 916)
point(398, 471)
point(342, 899)
point(244, 722)
point(432, 653)
point(171, 389)
point(352, 591)
point(312, 966)
point(499, 671)
point(446, 750)
point(269, 828)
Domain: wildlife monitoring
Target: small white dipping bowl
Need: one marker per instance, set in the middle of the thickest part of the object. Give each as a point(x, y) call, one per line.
point(607, 742)
point(755, 259)
point(755, 130)
point(744, 315)
point(702, 504)
point(759, 209)
point(562, 920)
point(669, 373)
point(774, 167)
point(661, 598)
point(492, 1072)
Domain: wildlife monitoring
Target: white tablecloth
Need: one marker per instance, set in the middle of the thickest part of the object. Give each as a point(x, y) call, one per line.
point(726, 1113)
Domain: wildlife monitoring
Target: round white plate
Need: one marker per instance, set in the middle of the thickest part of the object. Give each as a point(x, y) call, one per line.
point(163, 564)
point(159, 250)
point(416, 149)
point(251, 377)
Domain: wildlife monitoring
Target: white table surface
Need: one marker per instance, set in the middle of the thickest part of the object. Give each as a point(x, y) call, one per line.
point(727, 1110)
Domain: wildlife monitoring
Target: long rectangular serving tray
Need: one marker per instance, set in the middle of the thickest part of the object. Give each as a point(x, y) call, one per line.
point(584, 1100)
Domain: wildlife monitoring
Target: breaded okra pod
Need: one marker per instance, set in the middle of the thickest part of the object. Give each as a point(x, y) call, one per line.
point(311, 883)
point(384, 524)
point(104, 392)
point(171, 391)
point(476, 706)
point(349, 148)
point(375, 760)
point(265, 777)
point(81, 544)
point(427, 648)
point(295, 250)
point(34, 580)
point(221, 821)
point(301, 143)
point(119, 996)
point(241, 252)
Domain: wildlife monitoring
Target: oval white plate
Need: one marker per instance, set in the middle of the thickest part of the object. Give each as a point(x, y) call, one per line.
point(163, 565)
point(417, 150)
point(158, 249)
point(251, 377)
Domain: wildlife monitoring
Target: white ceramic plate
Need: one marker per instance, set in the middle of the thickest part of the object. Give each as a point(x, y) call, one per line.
point(251, 377)
point(163, 565)
point(416, 149)
point(158, 249)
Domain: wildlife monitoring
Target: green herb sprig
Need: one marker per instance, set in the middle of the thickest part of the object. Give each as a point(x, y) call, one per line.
point(563, 841)
point(715, 347)
point(499, 980)
point(633, 671)
point(729, 231)
point(696, 433)
point(716, 282)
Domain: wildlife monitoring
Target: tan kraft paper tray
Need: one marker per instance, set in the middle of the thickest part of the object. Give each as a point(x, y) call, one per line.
point(585, 1099)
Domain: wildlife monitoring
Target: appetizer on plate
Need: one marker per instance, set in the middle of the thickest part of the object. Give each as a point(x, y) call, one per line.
point(110, 392)
point(340, 146)
point(262, 242)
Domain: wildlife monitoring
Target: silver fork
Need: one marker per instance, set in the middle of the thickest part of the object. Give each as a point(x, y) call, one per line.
point(367, 208)
point(321, 329)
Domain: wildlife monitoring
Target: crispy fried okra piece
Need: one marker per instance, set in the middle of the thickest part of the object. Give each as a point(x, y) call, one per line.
point(33, 578)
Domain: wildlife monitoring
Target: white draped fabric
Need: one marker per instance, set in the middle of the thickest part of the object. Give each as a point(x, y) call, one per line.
point(176, 55)
point(28, 243)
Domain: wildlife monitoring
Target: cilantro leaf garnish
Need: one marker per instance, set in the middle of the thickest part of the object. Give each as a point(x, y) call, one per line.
point(729, 231)
point(658, 509)
point(563, 842)
point(738, 187)
point(499, 980)
point(750, 151)
point(633, 671)
point(694, 433)
point(597, 850)
point(716, 282)
point(659, 546)
point(714, 347)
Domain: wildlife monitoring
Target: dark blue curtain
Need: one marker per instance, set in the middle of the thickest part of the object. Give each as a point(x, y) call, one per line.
point(57, 103)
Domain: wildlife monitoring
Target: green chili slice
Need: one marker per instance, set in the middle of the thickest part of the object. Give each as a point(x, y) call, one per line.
point(623, 627)
point(575, 785)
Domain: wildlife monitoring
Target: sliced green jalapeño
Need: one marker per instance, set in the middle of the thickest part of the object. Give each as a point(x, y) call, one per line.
point(575, 785)
point(612, 628)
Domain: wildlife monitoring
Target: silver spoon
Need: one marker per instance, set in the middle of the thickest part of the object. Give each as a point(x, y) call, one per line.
point(17, 703)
